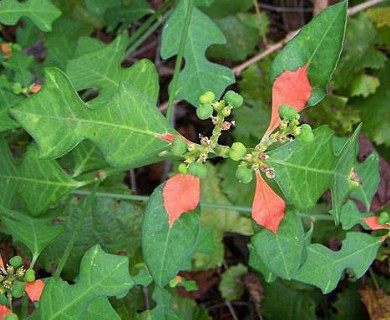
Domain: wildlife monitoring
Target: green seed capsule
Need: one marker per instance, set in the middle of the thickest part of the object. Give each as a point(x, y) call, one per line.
point(179, 146)
point(207, 97)
point(11, 316)
point(233, 99)
point(306, 134)
point(30, 275)
point(18, 289)
point(10, 270)
point(384, 217)
point(16, 261)
point(237, 151)
point(204, 111)
point(244, 175)
point(198, 170)
point(287, 113)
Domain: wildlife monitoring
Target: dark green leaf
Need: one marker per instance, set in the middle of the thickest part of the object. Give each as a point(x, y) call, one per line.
point(101, 275)
point(41, 12)
point(231, 285)
point(7, 101)
point(318, 44)
point(126, 130)
point(199, 75)
point(324, 267)
point(40, 183)
point(167, 250)
point(282, 252)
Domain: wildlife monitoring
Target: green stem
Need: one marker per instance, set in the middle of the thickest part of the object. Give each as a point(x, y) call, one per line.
point(24, 307)
point(145, 35)
point(75, 232)
point(179, 59)
point(206, 205)
point(148, 22)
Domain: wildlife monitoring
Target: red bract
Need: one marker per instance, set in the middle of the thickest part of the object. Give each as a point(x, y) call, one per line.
point(267, 208)
point(4, 311)
point(169, 137)
point(291, 88)
point(181, 194)
point(373, 224)
point(34, 289)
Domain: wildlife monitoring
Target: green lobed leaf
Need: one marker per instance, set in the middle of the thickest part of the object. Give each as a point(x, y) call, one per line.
point(368, 173)
point(101, 309)
point(231, 286)
point(298, 163)
point(7, 101)
point(102, 69)
point(126, 130)
point(375, 111)
point(41, 12)
point(318, 44)
point(40, 183)
point(324, 267)
point(101, 275)
point(36, 234)
point(189, 309)
point(258, 264)
point(282, 252)
point(199, 75)
point(351, 216)
point(167, 250)
point(114, 224)
point(163, 309)
point(61, 42)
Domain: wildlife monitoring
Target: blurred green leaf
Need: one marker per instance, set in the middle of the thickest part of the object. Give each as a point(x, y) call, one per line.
point(199, 75)
point(231, 285)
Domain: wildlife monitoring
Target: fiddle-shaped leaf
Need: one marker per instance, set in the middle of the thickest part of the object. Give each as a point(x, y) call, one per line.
point(102, 69)
point(41, 12)
point(35, 234)
point(7, 100)
point(126, 130)
point(40, 183)
point(324, 267)
point(317, 45)
point(199, 75)
point(297, 163)
point(101, 275)
point(169, 237)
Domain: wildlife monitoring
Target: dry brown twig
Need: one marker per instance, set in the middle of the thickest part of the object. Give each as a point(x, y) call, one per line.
point(279, 45)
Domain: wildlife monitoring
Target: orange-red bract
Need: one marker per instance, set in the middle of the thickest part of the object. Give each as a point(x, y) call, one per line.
point(291, 88)
point(6, 50)
point(169, 137)
point(35, 88)
point(34, 289)
point(268, 208)
point(181, 194)
point(373, 224)
point(1, 262)
point(4, 311)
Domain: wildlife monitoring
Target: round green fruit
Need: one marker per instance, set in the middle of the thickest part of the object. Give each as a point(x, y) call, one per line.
point(198, 170)
point(237, 151)
point(18, 289)
point(287, 113)
point(207, 97)
point(11, 316)
point(16, 261)
point(204, 111)
point(233, 99)
point(306, 134)
point(244, 175)
point(30, 275)
point(179, 146)
point(384, 217)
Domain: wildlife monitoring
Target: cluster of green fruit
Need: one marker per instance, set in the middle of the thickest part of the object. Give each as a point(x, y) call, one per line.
point(207, 105)
point(383, 218)
point(290, 120)
point(13, 279)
